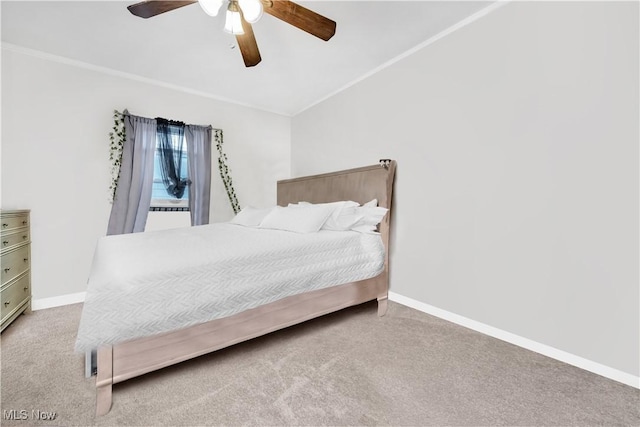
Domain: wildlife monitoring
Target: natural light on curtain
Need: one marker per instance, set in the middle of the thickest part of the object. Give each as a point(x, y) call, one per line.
point(171, 163)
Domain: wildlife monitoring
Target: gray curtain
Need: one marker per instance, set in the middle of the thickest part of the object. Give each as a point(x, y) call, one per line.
point(133, 194)
point(199, 160)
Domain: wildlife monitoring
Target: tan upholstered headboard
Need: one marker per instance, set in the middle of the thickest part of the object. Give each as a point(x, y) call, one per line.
point(360, 185)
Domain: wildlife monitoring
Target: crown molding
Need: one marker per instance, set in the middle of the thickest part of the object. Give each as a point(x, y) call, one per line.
point(468, 20)
point(129, 76)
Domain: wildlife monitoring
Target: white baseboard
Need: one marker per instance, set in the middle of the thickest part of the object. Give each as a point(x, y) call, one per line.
point(42, 303)
point(554, 353)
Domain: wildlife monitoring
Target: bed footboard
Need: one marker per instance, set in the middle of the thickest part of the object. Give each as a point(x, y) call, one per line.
point(130, 359)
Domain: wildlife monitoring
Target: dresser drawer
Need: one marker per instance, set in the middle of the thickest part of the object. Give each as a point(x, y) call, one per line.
point(11, 221)
point(14, 238)
point(14, 262)
point(14, 295)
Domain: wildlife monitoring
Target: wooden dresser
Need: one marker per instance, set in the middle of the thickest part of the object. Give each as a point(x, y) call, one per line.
point(15, 267)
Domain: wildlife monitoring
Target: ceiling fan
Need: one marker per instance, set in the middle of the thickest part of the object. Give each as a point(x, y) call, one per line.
point(242, 13)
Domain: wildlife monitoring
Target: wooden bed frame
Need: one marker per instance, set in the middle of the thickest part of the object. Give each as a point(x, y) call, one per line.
point(122, 361)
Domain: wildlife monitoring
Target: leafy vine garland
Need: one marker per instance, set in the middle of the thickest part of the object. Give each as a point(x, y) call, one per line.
point(116, 137)
point(225, 172)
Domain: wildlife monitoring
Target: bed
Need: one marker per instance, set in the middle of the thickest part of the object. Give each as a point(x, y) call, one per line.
point(122, 359)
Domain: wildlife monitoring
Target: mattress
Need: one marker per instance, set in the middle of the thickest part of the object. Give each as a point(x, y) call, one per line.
point(144, 284)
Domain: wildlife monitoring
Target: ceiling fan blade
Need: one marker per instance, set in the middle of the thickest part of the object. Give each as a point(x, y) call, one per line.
point(248, 45)
point(301, 17)
point(147, 9)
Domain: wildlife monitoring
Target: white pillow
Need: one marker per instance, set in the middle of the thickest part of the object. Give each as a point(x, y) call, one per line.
point(372, 215)
point(300, 219)
point(343, 214)
point(299, 204)
point(250, 216)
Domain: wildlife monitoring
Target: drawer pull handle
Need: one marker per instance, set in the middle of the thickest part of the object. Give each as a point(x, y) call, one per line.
point(7, 303)
point(24, 237)
point(24, 222)
point(26, 259)
point(6, 270)
point(5, 225)
point(5, 243)
point(26, 288)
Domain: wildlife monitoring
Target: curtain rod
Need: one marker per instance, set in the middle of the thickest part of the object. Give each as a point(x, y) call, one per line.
point(171, 122)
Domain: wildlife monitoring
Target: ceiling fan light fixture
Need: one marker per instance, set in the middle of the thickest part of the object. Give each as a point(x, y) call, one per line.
point(251, 10)
point(211, 7)
point(233, 22)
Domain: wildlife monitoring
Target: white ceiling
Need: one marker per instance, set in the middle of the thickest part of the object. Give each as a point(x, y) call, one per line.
point(188, 49)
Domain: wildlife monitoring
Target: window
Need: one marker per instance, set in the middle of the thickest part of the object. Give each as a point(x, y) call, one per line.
point(161, 200)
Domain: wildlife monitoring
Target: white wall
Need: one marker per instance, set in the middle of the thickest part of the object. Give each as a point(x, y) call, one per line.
point(517, 185)
point(55, 156)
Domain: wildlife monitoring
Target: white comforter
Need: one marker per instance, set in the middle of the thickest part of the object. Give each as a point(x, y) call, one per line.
point(147, 283)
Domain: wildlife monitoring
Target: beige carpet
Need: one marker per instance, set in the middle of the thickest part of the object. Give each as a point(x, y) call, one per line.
point(349, 368)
